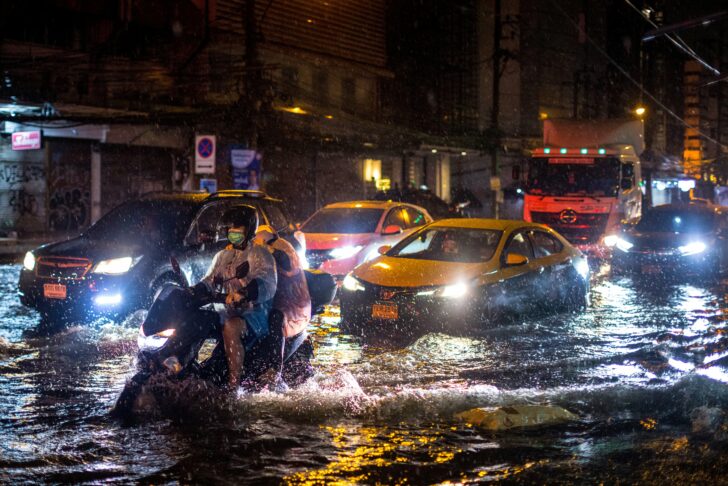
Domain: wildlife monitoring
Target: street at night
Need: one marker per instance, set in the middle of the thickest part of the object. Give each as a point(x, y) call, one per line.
point(644, 370)
point(380, 242)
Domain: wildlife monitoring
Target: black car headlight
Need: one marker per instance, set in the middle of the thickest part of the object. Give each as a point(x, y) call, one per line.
point(351, 284)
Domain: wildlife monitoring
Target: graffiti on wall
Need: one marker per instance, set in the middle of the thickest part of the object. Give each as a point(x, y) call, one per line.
point(22, 195)
point(23, 203)
point(14, 174)
point(69, 179)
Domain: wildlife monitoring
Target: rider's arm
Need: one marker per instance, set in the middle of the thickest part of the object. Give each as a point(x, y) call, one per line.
point(262, 280)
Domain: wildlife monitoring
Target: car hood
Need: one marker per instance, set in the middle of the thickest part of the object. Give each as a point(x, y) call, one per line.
point(83, 247)
point(662, 241)
point(408, 272)
point(328, 241)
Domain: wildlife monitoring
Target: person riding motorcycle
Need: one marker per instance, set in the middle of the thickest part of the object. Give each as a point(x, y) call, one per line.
point(292, 299)
point(246, 271)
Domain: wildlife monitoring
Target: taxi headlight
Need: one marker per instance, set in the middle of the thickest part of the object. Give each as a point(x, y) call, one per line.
point(155, 341)
point(623, 245)
point(115, 266)
point(454, 291)
point(582, 267)
point(352, 284)
point(345, 252)
point(692, 248)
point(29, 261)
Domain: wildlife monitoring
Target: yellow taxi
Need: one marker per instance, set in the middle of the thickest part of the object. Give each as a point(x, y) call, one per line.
point(453, 274)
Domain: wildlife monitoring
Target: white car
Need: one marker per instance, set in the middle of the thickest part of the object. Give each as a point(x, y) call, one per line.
point(342, 235)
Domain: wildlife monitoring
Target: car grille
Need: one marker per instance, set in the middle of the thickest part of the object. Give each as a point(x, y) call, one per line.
point(585, 229)
point(317, 257)
point(66, 268)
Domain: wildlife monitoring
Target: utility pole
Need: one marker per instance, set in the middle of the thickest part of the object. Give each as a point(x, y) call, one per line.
point(494, 169)
point(253, 73)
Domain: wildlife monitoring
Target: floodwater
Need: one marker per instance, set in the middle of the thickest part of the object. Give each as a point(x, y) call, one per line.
point(645, 369)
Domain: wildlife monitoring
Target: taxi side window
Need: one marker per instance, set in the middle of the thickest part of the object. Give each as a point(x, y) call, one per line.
point(519, 245)
point(397, 217)
point(276, 217)
point(205, 224)
point(416, 218)
point(544, 244)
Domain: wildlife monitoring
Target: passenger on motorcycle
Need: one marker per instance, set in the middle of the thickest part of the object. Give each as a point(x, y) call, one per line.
point(249, 291)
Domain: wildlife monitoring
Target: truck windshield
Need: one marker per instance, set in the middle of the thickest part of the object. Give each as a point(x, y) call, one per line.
point(562, 177)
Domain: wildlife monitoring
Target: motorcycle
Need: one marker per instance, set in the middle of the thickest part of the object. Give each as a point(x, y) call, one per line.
point(179, 323)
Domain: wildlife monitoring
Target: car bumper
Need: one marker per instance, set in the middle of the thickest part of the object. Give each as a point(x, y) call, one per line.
point(647, 264)
point(414, 313)
point(86, 297)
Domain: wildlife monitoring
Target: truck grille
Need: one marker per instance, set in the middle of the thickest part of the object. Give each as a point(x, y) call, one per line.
point(66, 268)
point(586, 228)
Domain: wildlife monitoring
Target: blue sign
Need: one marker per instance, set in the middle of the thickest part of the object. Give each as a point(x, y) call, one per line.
point(247, 166)
point(205, 147)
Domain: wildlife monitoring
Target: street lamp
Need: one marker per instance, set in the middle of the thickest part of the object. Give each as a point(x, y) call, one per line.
point(640, 110)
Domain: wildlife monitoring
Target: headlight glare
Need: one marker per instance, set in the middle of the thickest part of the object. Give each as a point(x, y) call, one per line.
point(155, 341)
point(29, 261)
point(624, 245)
point(610, 240)
point(692, 248)
point(454, 291)
point(115, 266)
point(582, 267)
point(352, 284)
point(345, 252)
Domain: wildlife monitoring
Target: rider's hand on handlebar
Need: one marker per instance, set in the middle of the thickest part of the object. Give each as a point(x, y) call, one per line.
point(235, 299)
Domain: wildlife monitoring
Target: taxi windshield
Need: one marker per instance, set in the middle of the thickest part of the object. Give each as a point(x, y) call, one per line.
point(464, 245)
point(344, 220)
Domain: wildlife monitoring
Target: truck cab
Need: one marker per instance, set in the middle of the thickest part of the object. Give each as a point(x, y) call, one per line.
point(584, 191)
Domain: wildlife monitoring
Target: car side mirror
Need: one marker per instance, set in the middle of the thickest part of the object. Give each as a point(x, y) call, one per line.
point(384, 249)
point(626, 183)
point(515, 260)
point(298, 226)
point(392, 229)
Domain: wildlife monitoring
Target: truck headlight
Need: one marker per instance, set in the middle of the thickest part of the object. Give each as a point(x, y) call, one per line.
point(155, 341)
point(29, 261)
point(692, 248)
point(345, 252)
point(115, 266)
point(352, 284)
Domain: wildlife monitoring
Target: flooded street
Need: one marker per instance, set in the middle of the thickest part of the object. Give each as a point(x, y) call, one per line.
point(645, 369)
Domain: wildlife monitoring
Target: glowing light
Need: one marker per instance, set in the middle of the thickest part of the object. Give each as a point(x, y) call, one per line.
point(624, 245)
point(640, 110)
point(463, 154)
point(602, 151)
point(686, 185)
point(329, 117)
point(610, 240)
point(108, 299)
point(296, 110)
point(692, 248)
point(29, 261)
point(115, 266)
point(352, 284)
point(547, 150)
point(155, 341)
point(582, 266)
point(345, 251)
point(563, 150)
point(382, 265)
point(584, 151)
point(434, 151)
point(454, 291)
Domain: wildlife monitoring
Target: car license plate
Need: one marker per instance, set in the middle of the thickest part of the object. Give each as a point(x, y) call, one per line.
point(385, 311)
point(54, 291)
point(650, 269)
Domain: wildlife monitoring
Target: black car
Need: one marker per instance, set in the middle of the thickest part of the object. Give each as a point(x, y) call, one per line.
point(120, 262)
point(674, 239)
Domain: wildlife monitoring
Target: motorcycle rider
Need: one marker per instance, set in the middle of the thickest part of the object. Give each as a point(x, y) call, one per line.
point(292, 299)
point(246, 271)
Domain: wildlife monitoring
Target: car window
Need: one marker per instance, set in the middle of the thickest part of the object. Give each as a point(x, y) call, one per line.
point(397, 217)
point(343, 220)
point(447, 244)
point(415, 218)
point(208, 217)
point(519, 245)
point(275, 215)
point(544, 244)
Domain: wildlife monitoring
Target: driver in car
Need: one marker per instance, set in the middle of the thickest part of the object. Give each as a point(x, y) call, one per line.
point(246, 271)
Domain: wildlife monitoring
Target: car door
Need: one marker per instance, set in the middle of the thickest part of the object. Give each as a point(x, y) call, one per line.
point(552, 266)
point(518, 282)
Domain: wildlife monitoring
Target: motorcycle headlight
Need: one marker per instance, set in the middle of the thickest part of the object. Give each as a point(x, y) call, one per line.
point(115, 266)
point(623, 245)
point(29, 261)
point(155, 341)
point(692, 248)
point(351, 284)
point(345, 252)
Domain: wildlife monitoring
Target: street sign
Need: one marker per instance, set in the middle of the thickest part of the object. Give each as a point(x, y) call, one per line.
point(205, 147)
point(208, 185)
point(26, 140)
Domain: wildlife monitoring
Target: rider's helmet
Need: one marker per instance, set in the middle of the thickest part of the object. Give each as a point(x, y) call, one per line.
point(242, 216)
